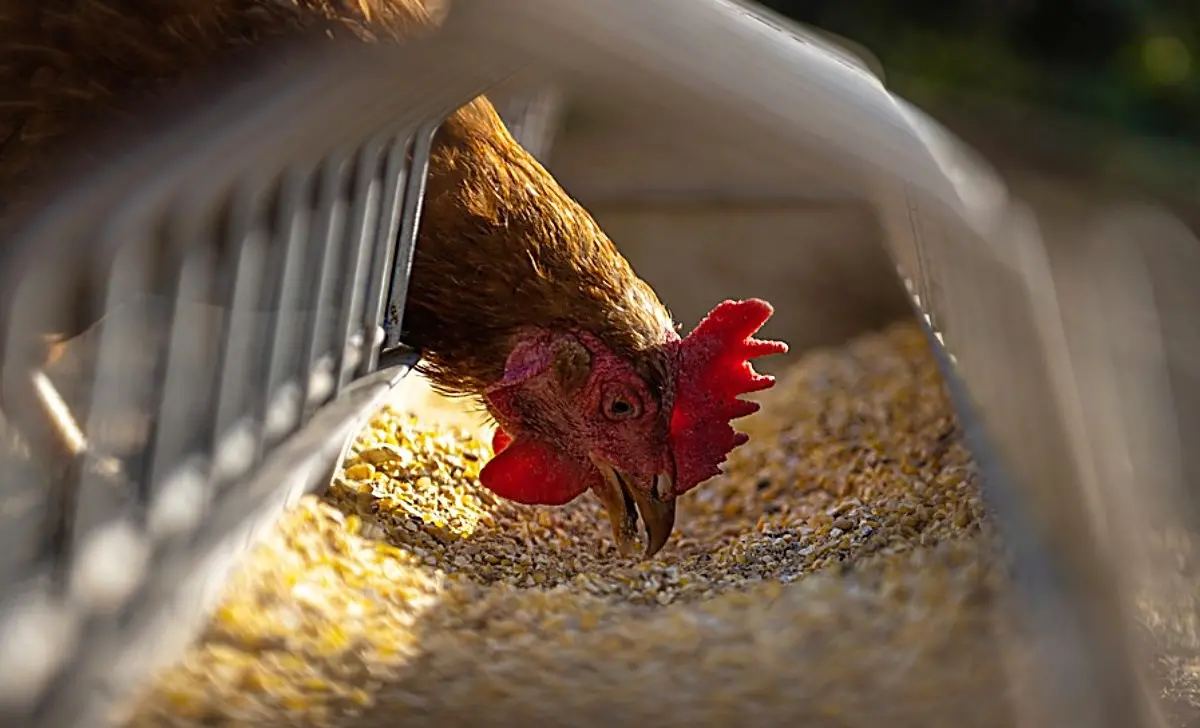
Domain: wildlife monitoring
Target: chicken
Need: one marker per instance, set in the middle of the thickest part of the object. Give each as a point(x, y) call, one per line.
point(517, 299)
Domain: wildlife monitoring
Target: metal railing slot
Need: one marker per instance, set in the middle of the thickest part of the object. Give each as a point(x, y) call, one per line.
point(261, 298)
point(117, 418)
point(281, 401)
point(387, 241)
point(235, 427)
point(228, 243)
point(414, 197)
point(360, 248)
point(185, 345)
point(324, 248)
point(143, 469)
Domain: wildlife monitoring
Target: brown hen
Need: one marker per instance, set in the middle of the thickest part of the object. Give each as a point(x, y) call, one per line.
point(517, 297)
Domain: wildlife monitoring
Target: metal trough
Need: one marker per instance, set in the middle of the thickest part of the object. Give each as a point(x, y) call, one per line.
point(315, 167)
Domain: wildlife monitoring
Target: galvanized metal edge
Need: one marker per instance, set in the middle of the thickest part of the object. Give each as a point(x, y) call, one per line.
point(119, 655)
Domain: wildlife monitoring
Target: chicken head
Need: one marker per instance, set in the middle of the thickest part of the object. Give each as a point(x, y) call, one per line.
point(575, 416)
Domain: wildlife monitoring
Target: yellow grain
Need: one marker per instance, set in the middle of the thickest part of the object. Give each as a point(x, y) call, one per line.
point(838, 573)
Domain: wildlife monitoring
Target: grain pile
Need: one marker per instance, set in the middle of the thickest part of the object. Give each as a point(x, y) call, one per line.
point(836, 574)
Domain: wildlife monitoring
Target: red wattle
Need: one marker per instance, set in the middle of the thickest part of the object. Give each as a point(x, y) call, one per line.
point(534, 473)
point(500, 440)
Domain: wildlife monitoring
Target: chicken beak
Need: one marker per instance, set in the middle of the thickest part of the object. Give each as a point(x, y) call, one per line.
point(658, 512)
point(625, 502)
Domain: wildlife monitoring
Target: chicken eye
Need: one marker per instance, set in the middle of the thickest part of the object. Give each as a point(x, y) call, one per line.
point(623, 406)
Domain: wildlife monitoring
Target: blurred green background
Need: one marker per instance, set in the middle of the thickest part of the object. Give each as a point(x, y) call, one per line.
point(1114, 83)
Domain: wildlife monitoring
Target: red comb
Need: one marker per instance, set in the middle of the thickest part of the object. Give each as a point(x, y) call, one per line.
point(714, 369)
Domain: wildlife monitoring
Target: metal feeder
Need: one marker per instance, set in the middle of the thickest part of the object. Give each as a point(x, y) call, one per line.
point(215, 403)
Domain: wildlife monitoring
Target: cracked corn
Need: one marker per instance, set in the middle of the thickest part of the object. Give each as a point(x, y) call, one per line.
point(836, 573)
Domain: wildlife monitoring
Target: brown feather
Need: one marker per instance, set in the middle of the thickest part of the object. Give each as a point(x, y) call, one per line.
point(511, 250)
point(502, 247)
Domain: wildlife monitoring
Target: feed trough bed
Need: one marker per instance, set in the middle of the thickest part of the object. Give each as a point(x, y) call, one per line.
point(107, 569)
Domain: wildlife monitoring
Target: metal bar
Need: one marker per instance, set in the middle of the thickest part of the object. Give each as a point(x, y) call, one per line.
point(237, 429)
point(181, 348)
point(395, 184)
point(414, 197)
point(282, 398)
point(363, 233)
point(324, 246)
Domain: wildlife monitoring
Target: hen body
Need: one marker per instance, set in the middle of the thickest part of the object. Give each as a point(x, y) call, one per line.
point(517, 297)
point(502, 248)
